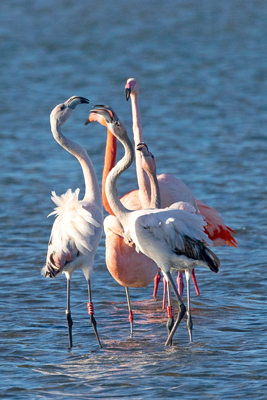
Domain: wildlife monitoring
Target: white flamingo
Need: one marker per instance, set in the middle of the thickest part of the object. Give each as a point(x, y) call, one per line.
point(149, 166)
point(173, 238)
point(77, 230)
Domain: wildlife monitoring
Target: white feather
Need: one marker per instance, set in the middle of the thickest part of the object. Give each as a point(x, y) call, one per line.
point(73, 222)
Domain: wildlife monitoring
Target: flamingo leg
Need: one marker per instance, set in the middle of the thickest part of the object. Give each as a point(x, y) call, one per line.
point(189, 323)
point(180, 283)
point(68, 314)
point(130, 311)
point(195, 282)
point(181, 312)
point(164, 293)
point(156, 284)
point(90, 307)
point(170, 320)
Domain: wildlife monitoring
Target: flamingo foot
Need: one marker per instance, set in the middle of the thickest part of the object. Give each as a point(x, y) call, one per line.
point(93, 323)
point(90, 308)
point(169, 324)
point(189, 325)
point(70, 323)
point(179, 318)
point(170, 320)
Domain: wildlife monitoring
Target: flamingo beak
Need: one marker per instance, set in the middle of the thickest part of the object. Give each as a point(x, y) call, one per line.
point(74, 100)
point(140, 146)
point(127, 93)
point(93, 116)
point(106, 112)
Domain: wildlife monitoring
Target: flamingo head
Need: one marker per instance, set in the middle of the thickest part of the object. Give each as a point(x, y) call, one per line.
point(131, 87)
point(61, 113)
point(148, 160)
point(109, 118)
point(94, 116)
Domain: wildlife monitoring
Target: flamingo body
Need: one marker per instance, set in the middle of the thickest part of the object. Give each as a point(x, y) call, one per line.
point(75, 235)
point(126, 266)
point(173, 190)
point(173, 238)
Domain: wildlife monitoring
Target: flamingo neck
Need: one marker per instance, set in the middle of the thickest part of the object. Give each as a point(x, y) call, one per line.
point(110, 158)
point(143, 182)
point(112, 194)
point(92, 191)
point(155, 201)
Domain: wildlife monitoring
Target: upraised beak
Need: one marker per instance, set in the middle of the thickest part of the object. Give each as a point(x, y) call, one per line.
point(75, 100)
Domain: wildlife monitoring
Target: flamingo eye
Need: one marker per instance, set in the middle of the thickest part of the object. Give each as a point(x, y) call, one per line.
point(62, 107)
point(117, 123)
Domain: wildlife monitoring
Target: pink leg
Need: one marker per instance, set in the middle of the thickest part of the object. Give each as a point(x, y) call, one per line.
point(195, 282)
point(180, 283)
point(164, 293)
point(156, 284)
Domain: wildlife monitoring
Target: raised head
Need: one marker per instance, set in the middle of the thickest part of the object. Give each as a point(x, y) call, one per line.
point(107, 116)
point(61, 113)
point(131, 87)
point(148, 160)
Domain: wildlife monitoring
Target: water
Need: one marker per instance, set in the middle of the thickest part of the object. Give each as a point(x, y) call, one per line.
point(202, 71)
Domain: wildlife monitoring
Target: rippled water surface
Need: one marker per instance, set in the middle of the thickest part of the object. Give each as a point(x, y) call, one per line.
point(202, 71)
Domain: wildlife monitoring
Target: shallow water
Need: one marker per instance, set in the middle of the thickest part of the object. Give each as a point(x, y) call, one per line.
point(202, 71)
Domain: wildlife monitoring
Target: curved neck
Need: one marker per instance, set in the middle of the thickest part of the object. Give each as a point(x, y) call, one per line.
point(109, 162)
point(155, 201)
point(92, 191)
point(143, 182)
point(111, 190)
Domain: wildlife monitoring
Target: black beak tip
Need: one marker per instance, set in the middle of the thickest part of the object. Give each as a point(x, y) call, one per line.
point(87, 122)
point(127, 93)
point(140, 145)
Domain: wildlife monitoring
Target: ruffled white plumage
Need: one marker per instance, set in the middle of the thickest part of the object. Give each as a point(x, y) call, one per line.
point(74, 222)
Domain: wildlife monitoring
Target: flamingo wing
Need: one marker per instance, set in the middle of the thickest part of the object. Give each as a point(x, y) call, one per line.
point(170, 226)
point(182, 232)
point(71, 233)
point(216, 229)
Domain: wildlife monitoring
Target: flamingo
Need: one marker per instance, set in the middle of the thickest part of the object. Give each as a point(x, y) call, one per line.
point(172, 237)
point(149, 166)
point(129, 268)
point(173, 190)
point(78, 227)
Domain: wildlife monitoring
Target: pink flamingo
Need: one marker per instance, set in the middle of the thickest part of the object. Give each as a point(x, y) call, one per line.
point(77, 230)
point(173, 190)
point(172, 237)
point(129, 268)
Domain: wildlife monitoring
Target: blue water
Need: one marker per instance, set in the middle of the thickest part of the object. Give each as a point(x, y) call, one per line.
point(202, 72)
